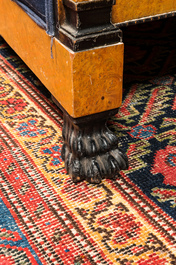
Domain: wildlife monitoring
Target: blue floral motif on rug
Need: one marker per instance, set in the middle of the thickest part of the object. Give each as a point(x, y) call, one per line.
point(13, 244)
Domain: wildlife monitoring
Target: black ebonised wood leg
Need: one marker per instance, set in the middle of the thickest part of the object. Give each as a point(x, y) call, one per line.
point(90, 150)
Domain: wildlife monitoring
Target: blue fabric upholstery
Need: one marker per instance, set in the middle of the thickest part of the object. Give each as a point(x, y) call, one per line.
point(41, 11)
point(37, 6)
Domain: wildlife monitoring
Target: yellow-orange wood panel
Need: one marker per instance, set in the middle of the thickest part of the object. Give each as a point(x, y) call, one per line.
point(33, 45)
point(125, 10)
point(84, 83)
point(97, 79)
point(61, 12)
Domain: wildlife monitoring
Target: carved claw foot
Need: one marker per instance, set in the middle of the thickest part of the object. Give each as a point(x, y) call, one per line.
point(91, 152)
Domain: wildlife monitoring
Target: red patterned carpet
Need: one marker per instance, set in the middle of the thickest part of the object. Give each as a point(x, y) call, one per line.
point(46, 219)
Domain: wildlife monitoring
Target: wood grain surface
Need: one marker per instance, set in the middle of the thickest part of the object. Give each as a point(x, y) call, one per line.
point(83, 82)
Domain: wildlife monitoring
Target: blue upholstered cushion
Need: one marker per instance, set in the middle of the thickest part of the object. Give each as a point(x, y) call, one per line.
point(37, 6)
point(41, 11)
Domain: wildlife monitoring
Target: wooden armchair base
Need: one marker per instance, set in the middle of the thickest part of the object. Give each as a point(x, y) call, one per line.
point(82, 67)
point(80, 61)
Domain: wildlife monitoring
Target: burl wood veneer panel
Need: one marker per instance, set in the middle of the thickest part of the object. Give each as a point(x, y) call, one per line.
point(97, 79)
point(125, 10)
point(84, 82)
point(33, 45)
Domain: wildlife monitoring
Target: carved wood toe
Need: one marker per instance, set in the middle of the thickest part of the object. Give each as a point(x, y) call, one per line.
point(91, 152)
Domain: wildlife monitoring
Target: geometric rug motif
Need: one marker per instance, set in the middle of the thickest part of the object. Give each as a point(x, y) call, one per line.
point(14, 247)
point(151, 137)
point(46, 218)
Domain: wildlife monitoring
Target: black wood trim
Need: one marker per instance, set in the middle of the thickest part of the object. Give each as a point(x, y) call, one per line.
point(87, 5)
point(105, 115)
point(146, 19)
point(88, 24)
point(89, 41)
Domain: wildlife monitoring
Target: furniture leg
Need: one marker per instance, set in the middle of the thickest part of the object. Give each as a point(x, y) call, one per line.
point(90, 149)
point(82, 67)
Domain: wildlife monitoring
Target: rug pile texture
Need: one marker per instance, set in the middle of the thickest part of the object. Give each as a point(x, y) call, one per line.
point(47, 219)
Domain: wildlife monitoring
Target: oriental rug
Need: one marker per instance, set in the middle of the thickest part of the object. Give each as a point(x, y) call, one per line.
point(47, 219)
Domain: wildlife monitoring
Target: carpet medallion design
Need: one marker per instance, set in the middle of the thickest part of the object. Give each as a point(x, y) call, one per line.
point(47, 219)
